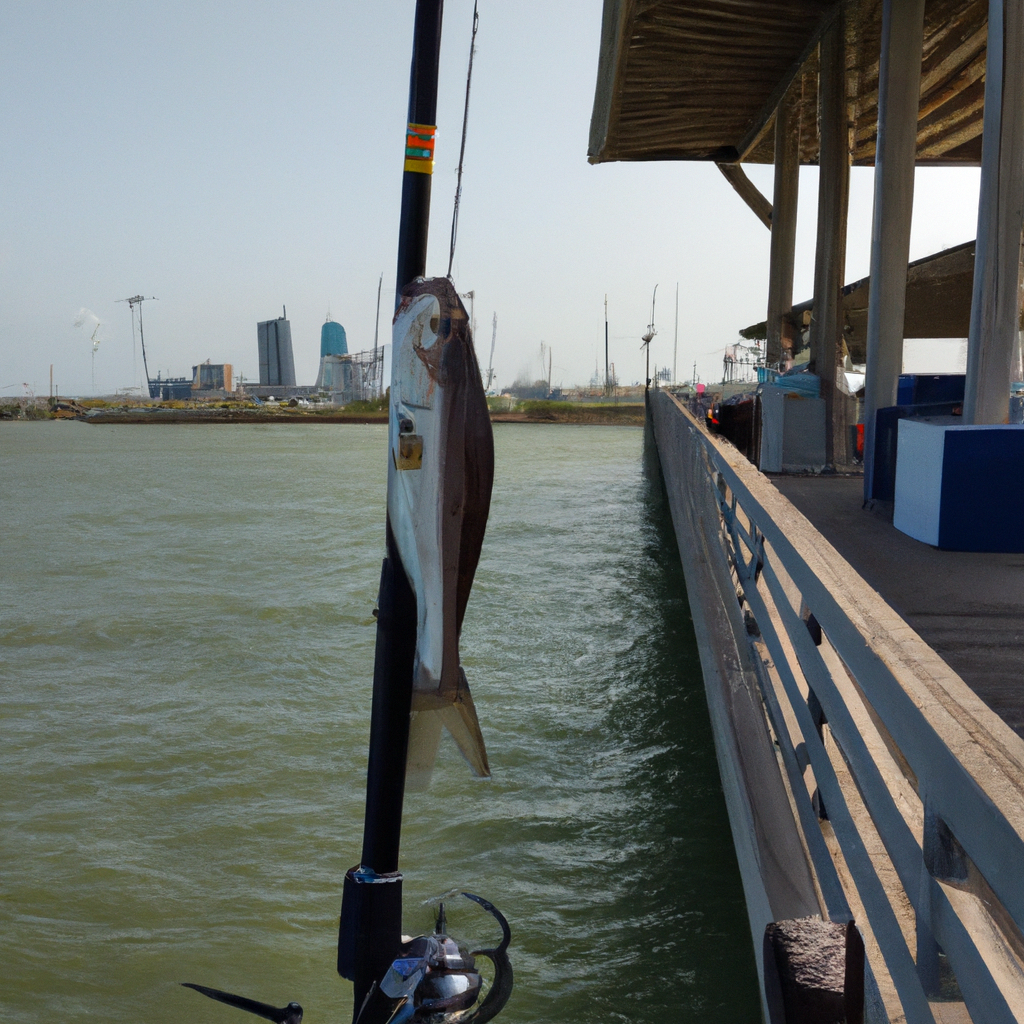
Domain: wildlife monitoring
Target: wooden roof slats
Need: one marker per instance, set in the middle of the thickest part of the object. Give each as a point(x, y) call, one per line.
point(700, 79)
point(952, 85)
point(705, 68)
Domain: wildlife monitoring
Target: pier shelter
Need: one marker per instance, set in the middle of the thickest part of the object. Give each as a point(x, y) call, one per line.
point(862, 650)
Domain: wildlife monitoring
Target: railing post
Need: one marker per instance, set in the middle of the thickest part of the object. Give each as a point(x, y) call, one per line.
point(944, 860)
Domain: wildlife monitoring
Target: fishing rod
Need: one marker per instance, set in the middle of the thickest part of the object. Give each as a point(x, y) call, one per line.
point(441, 456)
point(440, 459)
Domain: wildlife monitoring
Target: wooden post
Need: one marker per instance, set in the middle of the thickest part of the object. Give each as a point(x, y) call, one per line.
point(833, 201)
point(995, 305)
point(899, 97)
point(784, 205)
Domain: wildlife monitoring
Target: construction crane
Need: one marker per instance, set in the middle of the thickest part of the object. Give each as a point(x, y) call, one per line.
point(138, 300)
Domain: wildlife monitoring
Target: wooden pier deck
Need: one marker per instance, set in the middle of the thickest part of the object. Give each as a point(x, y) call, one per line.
point(967, 606)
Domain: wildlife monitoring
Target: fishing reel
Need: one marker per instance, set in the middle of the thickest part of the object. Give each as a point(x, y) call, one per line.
point(435, 980)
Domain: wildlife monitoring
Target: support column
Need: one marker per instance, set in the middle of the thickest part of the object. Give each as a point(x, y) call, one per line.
point(995, 305)
point(784, 207)
point(830, 252)
point(899, 99)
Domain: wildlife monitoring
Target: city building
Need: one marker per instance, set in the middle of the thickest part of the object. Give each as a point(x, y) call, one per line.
point(277, 364)
point(332, 339)
point(212, 377)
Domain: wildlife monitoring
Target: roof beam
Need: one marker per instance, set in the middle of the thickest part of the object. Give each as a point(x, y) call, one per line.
point(748, 192)
point(756, 133)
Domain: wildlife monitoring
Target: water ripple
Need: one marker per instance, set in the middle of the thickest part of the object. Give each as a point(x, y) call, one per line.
point(186, 651)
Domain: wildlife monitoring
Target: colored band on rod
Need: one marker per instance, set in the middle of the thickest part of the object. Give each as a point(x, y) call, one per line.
point(419, 148)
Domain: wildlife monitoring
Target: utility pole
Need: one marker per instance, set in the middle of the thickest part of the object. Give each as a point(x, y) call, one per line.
point(647, 339)
point(376, 330)
point(607, 377)
point(675, 340)
point(138, 300)
point(490, 362)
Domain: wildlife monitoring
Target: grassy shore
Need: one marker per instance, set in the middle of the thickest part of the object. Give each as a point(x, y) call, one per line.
point(502, 410)
point(566, 412)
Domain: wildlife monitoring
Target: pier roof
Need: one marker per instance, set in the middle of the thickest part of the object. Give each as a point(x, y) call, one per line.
point(701, 79)
point(938, 301)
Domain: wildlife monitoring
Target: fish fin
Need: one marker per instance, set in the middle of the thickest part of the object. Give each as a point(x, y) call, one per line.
point(460, 720)
point(424, 737)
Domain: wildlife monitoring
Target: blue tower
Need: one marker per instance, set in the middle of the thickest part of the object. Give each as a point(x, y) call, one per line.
point(332, 339)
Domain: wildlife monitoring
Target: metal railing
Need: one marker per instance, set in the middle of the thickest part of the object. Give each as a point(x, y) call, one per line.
point(908, 791)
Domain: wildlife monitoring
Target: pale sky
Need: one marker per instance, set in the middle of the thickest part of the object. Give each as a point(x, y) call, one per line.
point(230, 158)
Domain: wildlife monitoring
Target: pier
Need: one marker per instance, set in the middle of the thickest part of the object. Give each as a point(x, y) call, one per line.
point(854, 560)
point(866, 781)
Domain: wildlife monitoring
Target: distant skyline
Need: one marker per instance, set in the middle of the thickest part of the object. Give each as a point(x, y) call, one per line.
point(232, 158)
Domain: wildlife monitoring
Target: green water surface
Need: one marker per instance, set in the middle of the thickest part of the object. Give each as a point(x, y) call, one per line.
point(186, 650)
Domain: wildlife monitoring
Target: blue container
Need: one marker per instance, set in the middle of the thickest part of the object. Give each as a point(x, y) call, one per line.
point(930, 388)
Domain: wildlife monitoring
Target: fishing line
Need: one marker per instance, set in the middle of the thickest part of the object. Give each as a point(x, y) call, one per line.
point(462, 149)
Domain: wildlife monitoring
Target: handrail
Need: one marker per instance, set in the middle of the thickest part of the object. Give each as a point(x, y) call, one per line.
point(965, 765)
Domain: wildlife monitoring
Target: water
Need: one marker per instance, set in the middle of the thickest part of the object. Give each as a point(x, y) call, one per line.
point(186, 647)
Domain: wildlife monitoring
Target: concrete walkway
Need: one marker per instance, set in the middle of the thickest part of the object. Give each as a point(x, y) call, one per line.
point(969, 607)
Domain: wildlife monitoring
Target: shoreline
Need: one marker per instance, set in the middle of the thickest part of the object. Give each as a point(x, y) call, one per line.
point(573, 414)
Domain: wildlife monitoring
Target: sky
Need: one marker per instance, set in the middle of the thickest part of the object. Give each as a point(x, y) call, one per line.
point(230, 159)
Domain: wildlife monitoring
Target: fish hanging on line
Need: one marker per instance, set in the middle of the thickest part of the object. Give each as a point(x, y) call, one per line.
point(439, 493)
